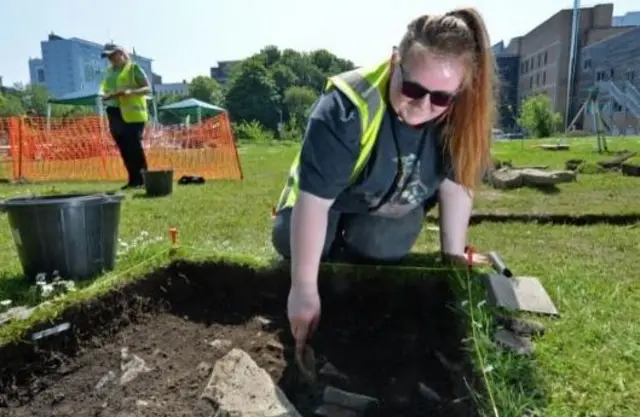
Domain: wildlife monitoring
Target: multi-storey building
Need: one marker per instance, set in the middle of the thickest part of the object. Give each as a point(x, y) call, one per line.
point(221, 72)
point(71, 64)
point(612, 65)
point(550, 56)
point(181, 89)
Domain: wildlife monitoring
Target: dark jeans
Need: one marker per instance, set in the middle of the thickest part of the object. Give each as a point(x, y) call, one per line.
point(359, 237)
point(128, 138)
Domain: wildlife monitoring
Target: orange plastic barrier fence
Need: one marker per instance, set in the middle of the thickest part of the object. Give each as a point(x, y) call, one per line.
point(81, 148)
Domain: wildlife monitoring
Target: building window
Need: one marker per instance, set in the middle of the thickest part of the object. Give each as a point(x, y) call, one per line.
point(544, 77)
point(538, 79)
point(631, 75)
point(611, 72)
point(539, 60)
point(586, 64)
point(545, 57)
point(40, 75)
point(531, 82)
point(600, 75)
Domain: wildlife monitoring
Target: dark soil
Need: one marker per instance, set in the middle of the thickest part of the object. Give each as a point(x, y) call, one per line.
point(632, 170)
point(553, 219)
point(388, 335)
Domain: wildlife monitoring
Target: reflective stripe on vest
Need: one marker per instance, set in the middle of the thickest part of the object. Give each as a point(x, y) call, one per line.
point(365, 89)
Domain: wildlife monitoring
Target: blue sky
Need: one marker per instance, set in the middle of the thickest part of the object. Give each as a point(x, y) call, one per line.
point(186, 38)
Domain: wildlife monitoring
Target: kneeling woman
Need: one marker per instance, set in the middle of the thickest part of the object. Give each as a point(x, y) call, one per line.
point(384, 145)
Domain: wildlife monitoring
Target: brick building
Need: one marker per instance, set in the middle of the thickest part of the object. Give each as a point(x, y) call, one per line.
point(544, 56)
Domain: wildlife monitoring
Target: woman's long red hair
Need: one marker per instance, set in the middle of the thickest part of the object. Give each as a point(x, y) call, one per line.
point(469, 121)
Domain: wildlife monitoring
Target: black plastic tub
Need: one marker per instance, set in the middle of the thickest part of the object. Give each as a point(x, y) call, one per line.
point(631, 170)
point(73, 234)
point(158, 183)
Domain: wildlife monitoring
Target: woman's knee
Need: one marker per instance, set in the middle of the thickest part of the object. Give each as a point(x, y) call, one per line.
point(383, 239)
point(281, 234)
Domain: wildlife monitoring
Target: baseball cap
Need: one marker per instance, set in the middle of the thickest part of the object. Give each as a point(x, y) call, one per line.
point(110, 48)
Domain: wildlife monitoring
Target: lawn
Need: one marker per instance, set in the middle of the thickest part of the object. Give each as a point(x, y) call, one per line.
point(586, 364)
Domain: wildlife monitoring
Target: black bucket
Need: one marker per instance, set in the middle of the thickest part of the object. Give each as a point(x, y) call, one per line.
point(73, 234)
point(158, 183)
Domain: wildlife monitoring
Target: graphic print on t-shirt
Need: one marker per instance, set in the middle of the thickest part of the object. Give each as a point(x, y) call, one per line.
point(410, 190)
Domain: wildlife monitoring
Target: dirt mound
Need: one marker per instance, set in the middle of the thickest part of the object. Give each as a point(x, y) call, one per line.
point(148, 349)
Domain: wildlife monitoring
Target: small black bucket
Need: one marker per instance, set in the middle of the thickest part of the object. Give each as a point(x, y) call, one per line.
point(158, 183)
point(73, 234)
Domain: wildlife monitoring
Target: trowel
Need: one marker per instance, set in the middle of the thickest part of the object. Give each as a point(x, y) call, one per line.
point(517, 293)
point(306, 361)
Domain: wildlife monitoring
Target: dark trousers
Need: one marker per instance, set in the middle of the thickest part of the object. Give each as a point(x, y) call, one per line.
point(128, 138)
point(359, 237)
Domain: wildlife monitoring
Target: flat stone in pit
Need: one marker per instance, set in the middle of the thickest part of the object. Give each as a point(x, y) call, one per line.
point(238, 387)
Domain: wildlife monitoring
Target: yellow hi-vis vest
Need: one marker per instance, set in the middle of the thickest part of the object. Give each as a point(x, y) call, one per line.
point(365, 88)
point(133, 108)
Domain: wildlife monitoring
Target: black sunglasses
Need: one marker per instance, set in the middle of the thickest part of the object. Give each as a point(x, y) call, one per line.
point(416, 91)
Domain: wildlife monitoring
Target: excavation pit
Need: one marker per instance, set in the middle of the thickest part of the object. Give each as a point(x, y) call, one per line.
point(396, 339)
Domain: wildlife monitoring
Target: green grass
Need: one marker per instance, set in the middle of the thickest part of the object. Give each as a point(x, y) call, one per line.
point(592, 194)
point(585, 366)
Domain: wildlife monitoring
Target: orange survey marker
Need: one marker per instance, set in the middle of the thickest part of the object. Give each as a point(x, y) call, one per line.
point(173, 236)
point(469, 250)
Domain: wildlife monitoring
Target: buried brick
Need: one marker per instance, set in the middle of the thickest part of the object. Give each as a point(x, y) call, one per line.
point(332, 410)
point(330, 372)
point(346, 399)
point(428, 393)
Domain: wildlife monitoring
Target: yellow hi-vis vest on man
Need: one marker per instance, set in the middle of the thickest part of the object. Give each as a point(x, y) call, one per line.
point(133, 108)
point(365, 88)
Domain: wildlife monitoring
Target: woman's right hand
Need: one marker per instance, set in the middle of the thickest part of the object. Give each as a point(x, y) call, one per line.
point(303, 310)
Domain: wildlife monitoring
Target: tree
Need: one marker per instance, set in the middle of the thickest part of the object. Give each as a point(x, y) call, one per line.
point(284, 77)
point(10, 105)
point(537, 116)
point(298, 101)
point(33, 100)
point(271, 55)
point(252, 95)
point(273, 98)
point(206, 89)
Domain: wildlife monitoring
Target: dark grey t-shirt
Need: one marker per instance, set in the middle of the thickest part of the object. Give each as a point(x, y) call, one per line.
point(331, 147)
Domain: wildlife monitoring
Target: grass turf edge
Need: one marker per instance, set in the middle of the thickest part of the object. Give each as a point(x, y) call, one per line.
point(492, 384)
